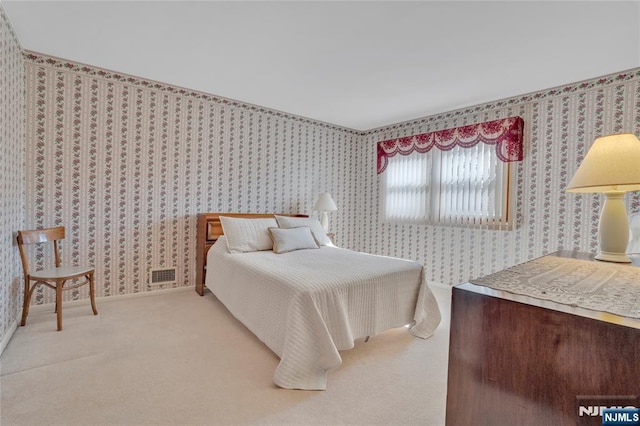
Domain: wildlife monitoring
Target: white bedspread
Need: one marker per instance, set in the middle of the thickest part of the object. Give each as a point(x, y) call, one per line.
point(307, 305)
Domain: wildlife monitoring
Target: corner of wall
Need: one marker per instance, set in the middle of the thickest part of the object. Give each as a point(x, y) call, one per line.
point(12, 175)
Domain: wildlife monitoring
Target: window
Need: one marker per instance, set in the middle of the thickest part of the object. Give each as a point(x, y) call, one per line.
point(460, 182)
point(462, 186)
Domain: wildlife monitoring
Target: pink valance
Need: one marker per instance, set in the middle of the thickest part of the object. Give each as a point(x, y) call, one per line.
point(505, 133)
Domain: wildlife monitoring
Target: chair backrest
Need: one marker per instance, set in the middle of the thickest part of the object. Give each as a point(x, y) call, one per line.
point(37, 236)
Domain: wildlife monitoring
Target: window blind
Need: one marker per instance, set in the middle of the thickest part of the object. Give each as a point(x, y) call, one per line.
point(461, 183)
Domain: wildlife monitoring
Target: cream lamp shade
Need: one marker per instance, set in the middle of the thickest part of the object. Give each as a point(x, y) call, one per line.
point(612, 167)
point(323, 205)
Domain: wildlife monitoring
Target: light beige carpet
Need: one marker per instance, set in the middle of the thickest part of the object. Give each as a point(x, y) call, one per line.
point(181, 359)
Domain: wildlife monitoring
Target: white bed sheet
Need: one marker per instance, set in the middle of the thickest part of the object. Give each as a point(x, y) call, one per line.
point(307, 305)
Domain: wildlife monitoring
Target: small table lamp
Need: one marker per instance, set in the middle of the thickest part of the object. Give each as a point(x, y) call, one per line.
point(324, 204)
point(612, 166)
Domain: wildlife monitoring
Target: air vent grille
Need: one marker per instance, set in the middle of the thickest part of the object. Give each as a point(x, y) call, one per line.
point(163, 275)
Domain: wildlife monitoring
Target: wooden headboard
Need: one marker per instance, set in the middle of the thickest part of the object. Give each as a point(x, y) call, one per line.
point(209, 229)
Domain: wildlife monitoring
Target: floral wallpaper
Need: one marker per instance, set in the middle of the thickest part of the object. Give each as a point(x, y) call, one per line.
point(12, 174)
point(560, 125)
point(127, 164)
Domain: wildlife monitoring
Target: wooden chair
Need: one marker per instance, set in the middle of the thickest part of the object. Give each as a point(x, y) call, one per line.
point(54, 278)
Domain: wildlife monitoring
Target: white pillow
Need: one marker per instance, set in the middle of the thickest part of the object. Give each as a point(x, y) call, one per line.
point(245, 235)
point(313, 223)
point(290, 239)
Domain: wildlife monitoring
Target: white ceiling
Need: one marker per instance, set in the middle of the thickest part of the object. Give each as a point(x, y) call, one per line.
point(357, 64)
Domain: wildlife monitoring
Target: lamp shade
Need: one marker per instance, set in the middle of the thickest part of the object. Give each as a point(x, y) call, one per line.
point(612, 164)
point(325, 203)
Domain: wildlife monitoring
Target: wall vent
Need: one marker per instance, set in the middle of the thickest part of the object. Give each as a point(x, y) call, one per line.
point(162, 275)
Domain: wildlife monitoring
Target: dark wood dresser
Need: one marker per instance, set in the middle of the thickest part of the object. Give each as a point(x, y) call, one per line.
point(519, 360)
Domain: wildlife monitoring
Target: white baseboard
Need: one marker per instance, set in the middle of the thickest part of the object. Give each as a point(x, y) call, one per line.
point(49, 306)
point(9, 334)
point(436, 284)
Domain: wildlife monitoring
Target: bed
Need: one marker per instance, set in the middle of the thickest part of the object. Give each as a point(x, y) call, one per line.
point(307, 305)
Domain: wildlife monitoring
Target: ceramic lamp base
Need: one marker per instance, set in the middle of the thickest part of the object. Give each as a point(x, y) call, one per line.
point(613, 229)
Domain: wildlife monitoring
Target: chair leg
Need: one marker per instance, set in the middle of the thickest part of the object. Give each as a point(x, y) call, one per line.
point(25, 302)
point(59, 286)
point(92, 294)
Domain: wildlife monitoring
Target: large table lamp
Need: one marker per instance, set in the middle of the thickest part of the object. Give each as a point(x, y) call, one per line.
point(612, 167)
point(325, 204)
